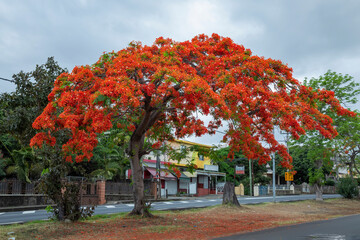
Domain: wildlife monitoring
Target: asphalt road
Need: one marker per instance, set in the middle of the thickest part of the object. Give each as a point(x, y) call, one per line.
point(344, 228)
point(26, 216)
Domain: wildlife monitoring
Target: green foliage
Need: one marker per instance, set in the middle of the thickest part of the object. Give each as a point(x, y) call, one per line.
point(20, 108)
point(18, 111)
point(7, 163)
point(3, 164)
point(301, 163)
point(329, 182)
point(316, 176)
point(358, 181)
point(228, 166)
point(315, 147)
point(64, 192)
point(26, 165)
point(110, 161)
point(348, 188)
point(344, 87)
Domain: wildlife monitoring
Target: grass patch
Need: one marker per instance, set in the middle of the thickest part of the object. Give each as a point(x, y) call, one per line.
point(106, 216)
point(26, 230)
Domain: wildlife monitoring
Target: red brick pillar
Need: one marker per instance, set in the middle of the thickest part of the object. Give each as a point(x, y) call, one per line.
point(100, 190)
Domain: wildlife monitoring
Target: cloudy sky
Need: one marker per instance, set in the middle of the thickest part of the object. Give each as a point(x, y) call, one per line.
point(310, 36)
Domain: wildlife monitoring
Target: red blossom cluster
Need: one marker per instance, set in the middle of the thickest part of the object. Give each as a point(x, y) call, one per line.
point(165, 85)
point(173, 168)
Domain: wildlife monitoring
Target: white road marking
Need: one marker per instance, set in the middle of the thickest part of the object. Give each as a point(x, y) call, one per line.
point(110, 206)
point(168, 203)
point(129, 205)
point(184, 201)
point(199, 201)
point(9, 223)
point(212, 200)
point(256, 198)
point(1, 213)
point(28, 212)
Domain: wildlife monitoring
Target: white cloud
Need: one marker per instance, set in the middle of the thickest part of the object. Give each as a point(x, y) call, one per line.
point(187, 19)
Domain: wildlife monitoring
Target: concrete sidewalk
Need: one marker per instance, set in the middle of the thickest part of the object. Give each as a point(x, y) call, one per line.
point(170, 198)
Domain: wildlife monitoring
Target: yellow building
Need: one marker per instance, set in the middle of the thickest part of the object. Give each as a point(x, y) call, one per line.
point(192, 156)
point(200, 181)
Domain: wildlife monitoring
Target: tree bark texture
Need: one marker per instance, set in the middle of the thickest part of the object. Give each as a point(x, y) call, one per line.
point(319, 192)
point(138, 181)
point(318, 183)
point(229, 196)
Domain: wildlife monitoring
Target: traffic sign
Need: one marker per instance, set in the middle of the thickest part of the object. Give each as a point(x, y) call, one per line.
point(240, 169)
point(289, 176)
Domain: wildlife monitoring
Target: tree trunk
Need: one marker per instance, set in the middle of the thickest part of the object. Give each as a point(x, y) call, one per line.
point(61, 213)
point(351, 170)
point(138, 182)
point(319, 192)
point(229, 196)
point(318, 183)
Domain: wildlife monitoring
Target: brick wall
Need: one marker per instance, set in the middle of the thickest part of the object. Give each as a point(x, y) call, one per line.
point(202, 192)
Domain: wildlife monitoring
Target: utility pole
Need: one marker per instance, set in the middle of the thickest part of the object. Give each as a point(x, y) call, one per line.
point(273, 162)
point(158, 185)
point(250, 175)
point(287, 148)
point(274, 187)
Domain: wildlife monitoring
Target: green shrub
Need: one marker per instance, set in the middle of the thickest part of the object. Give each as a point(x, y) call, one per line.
point(358, 181)
point(329, 182)
point(348, 188)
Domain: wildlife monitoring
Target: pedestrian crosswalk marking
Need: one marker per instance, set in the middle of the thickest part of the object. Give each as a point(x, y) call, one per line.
point(28, 212)
point(199, 201)
point(130, 205)
point(168, 203)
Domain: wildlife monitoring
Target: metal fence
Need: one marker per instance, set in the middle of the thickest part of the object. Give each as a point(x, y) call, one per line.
point(220, 187)
point(124, 187)
point(13, 186)
point(263, 190)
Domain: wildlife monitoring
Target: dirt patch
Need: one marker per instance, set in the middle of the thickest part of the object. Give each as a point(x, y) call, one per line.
point(204, 223)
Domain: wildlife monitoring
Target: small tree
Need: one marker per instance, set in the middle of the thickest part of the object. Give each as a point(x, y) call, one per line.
point(157, 92)
point(348, 188)
point(322, 150)
point(57, 186)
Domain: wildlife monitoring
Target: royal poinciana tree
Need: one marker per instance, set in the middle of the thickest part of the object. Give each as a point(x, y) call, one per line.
point(161, 91)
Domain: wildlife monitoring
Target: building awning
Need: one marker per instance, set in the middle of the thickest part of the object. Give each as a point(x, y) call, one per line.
point(217, 174)
point(163, 174)
point(210, 173)
point(201, 172)
point(189, 174)
point(184, 177)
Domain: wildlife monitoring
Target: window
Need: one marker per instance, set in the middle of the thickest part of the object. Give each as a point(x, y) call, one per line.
point(201, 157)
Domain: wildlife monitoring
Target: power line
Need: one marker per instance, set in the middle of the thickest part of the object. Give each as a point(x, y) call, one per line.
point(8, 80)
